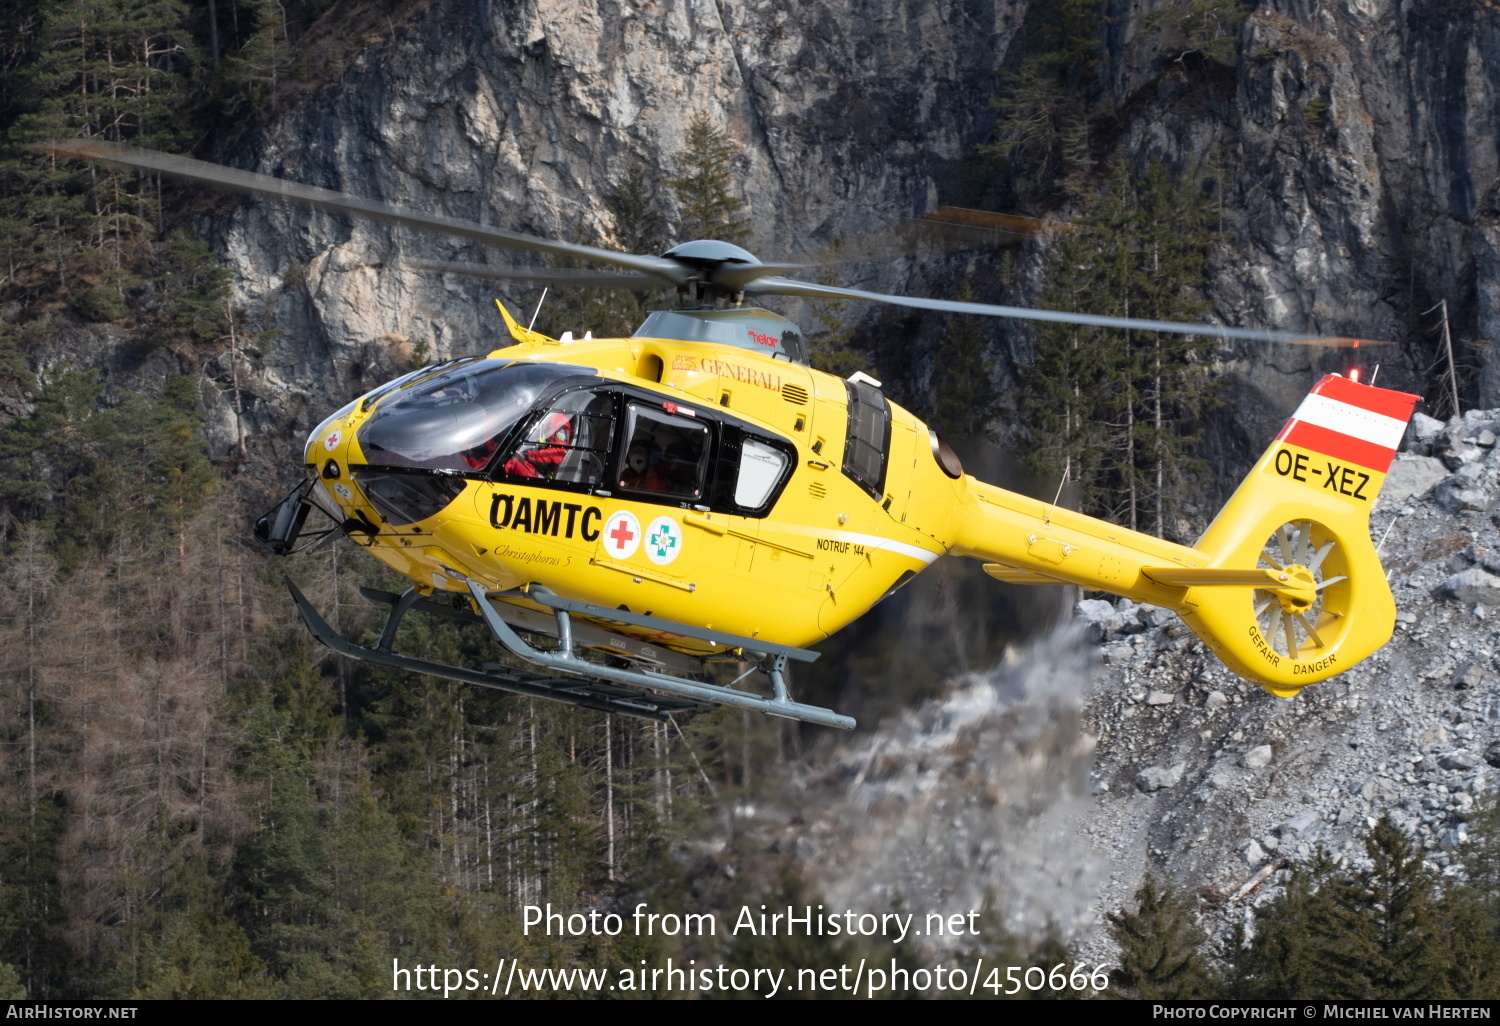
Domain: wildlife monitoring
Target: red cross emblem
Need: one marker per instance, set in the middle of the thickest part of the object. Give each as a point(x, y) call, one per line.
point(622, 535)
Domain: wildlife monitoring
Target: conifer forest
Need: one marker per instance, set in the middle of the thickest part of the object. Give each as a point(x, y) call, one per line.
point(199, 802)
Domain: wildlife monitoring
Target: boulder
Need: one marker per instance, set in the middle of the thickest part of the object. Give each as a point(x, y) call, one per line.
point(1155, 616)
point(1464, 491)
point(1100, 616)
point(1459, 760)
point(1132, 616)
point(1221, 777)
point(1424, 428)
point(1154, 778)
point(1379, 788)
point(1464, 500)
point(1256, 757)
point(1301, 826)
point(1469, 675)
point(1473, 586)
point(1475, 421)
point(1093, 609)
point(1410, 475)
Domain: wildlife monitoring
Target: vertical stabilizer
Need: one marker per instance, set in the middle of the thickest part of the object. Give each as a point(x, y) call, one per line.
point(1303, 513)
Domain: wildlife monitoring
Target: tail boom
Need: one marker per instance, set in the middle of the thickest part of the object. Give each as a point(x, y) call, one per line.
point(1285, 586)
point(1026, 541)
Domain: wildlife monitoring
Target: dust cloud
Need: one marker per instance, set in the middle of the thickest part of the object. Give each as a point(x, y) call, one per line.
point(978, 792)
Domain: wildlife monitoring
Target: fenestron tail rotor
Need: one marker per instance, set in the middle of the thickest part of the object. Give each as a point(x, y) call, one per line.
point(1292, 628)
point(705, 269)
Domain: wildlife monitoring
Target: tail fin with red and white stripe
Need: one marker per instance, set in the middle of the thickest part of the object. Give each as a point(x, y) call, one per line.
point(1303, 514)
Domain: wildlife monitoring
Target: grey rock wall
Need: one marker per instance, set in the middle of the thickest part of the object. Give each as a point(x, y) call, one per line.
point(1361, 143)
point(524, 113)
point(1360, 139)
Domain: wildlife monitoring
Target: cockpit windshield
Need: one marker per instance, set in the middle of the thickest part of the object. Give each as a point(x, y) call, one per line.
point(457, 419)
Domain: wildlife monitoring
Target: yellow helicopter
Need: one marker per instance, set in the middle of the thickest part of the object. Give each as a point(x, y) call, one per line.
point(698, 493)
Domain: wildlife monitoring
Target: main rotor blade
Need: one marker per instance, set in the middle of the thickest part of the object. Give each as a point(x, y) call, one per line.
point(773, 286)
point(562, 277)
point(668, 272)
point(736, 276)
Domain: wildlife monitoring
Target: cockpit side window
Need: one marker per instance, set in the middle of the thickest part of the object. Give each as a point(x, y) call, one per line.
point(868, 438)
point(762, 468)
point(750, 471)
point(569, 444)
point(664, 454)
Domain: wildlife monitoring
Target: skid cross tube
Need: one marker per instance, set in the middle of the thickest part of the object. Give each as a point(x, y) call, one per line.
point(584, 635)
point(552, 689)
point(565, 661)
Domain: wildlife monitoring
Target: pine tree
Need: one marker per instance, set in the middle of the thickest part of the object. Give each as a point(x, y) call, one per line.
point(261, 69)
point(107, 69)
point(1280, 962)
point(634, 205)
point(1481, 857)
point(194, 948)
point(963, 376)
point(1117, 411)
point(331, 890)
point(1393, 930)
point(1045, 103)
point(1382, 935)
point(1204, 28)
point(1160, 944)
point(194, 287)
point(638, 228)
point(703, 185)
point(11, 988)
point(829, 345)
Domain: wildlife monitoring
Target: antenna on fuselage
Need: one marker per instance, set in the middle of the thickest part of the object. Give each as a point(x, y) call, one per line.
point(538, 309)
point(1066, 468)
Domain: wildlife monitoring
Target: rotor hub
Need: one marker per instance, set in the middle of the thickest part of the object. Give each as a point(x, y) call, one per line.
point(1300, 590)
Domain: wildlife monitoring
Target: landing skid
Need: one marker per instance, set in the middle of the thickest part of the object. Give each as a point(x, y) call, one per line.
point(645, 693)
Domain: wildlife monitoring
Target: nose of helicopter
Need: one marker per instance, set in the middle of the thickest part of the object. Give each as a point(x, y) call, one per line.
point(330, 441)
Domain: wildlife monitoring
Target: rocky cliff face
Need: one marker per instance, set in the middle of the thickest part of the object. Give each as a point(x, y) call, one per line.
point(1363, 141)
point(1360, 140)
point(1217, 782)
point(524, 113)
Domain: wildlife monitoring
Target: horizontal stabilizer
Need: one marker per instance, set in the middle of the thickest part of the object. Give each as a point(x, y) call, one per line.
point(1200, 577)
point(1010, 575)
